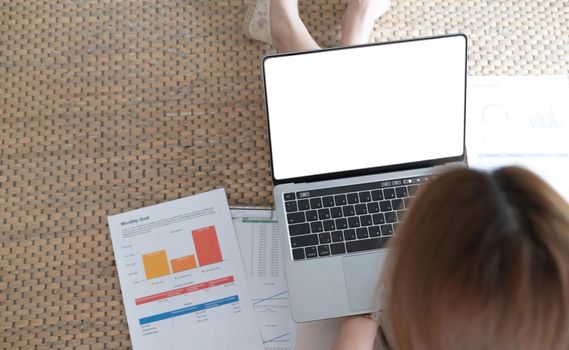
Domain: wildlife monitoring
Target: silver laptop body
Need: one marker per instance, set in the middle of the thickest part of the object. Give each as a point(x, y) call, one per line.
point(354, 132)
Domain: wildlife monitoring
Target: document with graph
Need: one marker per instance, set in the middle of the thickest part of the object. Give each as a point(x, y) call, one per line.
point(520, 120)
point(259, 241)
point(182, 276)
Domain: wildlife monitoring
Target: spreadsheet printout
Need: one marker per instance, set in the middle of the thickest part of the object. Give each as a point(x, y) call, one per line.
point(259, 241)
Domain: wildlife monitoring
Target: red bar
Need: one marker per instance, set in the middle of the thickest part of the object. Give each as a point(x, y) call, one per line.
point(184, 290)
point(207, 246)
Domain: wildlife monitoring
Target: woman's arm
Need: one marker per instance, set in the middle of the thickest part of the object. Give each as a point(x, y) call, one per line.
point(356, 333)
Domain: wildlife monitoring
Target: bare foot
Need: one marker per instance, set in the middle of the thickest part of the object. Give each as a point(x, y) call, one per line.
point(287, 30)
point(359, 18)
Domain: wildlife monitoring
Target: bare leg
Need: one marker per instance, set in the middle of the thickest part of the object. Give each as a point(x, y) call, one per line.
point(287, 30)
point(358, 20)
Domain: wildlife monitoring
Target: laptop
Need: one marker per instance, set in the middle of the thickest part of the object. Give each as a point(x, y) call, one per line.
point(354, 133)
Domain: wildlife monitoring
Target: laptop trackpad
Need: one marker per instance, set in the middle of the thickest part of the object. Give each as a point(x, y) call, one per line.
point(362, 274)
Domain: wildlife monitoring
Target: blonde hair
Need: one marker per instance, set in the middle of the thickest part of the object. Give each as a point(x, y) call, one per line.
point(481, 262)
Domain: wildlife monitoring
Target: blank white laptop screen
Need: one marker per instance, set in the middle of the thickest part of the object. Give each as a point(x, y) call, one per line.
point(364, 107)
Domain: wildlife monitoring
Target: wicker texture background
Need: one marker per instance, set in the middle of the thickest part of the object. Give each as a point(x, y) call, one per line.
point(111, 105)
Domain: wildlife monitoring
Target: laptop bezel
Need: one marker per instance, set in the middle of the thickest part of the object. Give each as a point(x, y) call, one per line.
point(372, 170)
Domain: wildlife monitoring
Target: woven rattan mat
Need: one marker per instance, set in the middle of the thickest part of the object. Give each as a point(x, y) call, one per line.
point(108, 106)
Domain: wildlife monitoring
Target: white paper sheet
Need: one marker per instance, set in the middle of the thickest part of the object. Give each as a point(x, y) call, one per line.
point(520, 120)
point(259, 240)
point(182, 278)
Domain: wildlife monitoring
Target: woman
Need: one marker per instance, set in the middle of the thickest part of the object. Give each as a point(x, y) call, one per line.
point(481, 262)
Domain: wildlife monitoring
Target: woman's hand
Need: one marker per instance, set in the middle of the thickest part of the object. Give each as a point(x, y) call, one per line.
point(356, 333)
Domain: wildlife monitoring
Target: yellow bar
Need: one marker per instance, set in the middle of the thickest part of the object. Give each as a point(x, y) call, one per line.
point(156, 264)
point(183, 263)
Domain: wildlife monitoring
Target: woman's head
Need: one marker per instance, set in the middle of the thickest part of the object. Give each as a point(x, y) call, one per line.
point(481, 262)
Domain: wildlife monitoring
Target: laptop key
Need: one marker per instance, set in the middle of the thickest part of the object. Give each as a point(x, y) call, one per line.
point(311, 215)
point(378, 219)
point(337, 248)
point(324, 237)
point(366, 244)
point(390, 217)
point(316, 227)
point(373, 207)
point(397, 204)
point(365, 220)
point(303, 204)
point(329, 225)
point(341, 224)
point(348, 210)
point(349, 234)
point(389, 193)
point(385, 205)
point(328, 201)
point(401, 192)
point(377, 195)
point(365, 197)
point(386, 230)
point(407, 201)
point(352, 198)
point(340, 199)
point(361, 209)
point(401, 215)
point(310, 252)
point(299, 229)
point(337, 236)
point(412, 189)
point(336, 212)
point(323, 250)
point(315, 203)
point(324, 214)
point(289, 196)
point(353, 221)
point(295, 218)
point(298, 253)
point(361, 232)
point(374, 231)
point(290, 206)
point(303, 241)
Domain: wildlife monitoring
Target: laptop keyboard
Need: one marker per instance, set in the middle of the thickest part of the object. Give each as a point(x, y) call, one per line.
point(347, 219)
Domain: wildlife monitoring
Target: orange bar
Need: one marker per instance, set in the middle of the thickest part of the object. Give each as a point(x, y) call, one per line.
point(156, 264)
point(207, 246)
point(183, 263)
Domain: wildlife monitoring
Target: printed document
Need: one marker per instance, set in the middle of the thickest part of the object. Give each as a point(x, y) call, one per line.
point(259, 240)
point(182, 277)
point(520, 120)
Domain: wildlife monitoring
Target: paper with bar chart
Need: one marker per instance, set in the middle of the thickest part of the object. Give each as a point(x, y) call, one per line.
point(259, 241)
point(182, 276)
point(520, 120)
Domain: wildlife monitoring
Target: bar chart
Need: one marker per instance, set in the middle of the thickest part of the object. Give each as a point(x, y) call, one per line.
point(207, 249)
point(182, 277)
